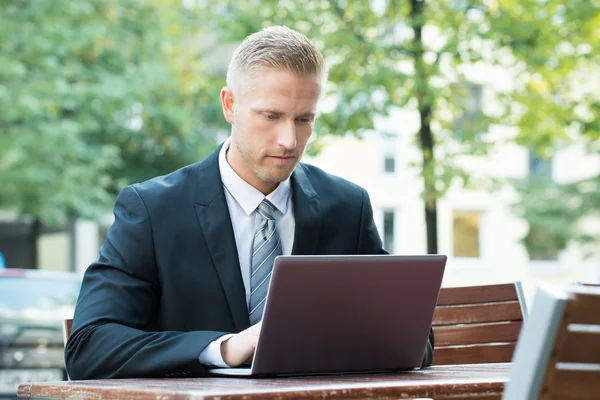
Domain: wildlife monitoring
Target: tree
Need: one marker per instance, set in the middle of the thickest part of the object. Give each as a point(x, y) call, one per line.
point(560, 106)
point(554, 213)
point(94, 95)
point(413, 54)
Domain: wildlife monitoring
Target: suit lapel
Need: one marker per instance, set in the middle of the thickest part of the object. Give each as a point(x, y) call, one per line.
point(307, 213)
point(213, 217)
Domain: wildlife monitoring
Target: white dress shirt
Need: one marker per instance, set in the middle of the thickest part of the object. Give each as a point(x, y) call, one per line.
point(243, 200)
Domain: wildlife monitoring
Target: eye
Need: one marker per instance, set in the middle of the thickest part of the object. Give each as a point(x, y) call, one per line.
point(272, 117)
point(305, 120)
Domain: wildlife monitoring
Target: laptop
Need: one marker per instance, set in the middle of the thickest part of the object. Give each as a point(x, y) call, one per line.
point(345, 314)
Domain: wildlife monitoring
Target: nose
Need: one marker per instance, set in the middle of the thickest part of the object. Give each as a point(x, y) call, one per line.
point(287, 136)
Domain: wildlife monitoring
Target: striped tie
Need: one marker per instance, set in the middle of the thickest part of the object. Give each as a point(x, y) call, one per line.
point(267, 246)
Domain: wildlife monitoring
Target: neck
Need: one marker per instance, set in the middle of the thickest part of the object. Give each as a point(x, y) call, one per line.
point(234, 159)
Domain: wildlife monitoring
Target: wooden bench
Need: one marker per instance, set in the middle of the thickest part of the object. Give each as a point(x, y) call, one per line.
point(558, 353)
point(478, 324)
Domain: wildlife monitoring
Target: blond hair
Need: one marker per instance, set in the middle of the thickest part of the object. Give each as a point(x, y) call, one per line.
point(276, 47)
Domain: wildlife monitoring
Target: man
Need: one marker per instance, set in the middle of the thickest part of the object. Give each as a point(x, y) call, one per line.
point(181, 279)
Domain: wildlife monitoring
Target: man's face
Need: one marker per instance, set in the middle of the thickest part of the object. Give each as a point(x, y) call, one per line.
point(271, 124)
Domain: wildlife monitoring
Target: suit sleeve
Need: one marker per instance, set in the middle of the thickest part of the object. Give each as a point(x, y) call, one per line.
point(119, 296)
point(369, 242)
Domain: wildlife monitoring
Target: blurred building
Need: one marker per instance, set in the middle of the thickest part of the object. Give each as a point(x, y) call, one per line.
point(25, 243)
point(476, 229)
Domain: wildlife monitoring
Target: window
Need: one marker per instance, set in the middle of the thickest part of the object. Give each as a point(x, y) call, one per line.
point(390, 164)
point(388, 230)
point(473, 101)
point(470, 99)
point(539, 167)
point(465, 225)
point(389, 143)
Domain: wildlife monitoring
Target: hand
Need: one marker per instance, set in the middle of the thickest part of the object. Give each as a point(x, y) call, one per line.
point(239, 349)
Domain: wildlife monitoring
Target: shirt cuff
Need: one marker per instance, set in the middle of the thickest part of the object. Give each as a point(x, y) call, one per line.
point(211, 355)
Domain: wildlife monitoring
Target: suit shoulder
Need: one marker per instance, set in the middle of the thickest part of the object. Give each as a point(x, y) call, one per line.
point(326, 183)
point(175, 183)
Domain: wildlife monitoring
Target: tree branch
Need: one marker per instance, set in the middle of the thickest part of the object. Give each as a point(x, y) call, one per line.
point(401, 49)
point(443, 50)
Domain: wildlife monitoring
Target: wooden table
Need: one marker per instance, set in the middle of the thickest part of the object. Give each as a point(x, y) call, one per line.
point(475, 381)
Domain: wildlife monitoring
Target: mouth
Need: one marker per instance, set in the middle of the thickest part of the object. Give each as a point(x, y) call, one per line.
point(283, 160)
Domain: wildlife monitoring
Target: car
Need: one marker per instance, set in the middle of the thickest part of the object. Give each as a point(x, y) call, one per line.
point(33, 305)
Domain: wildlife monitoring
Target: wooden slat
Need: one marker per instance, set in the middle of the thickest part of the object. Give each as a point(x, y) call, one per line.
point(586, 309)
point(473, 354)
point(580, 347)
point(567, 385)
point(472, 314)
point(477, 333)
point(477, 294)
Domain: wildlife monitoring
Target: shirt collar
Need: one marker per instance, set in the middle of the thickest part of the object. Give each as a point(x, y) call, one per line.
point(246, 195)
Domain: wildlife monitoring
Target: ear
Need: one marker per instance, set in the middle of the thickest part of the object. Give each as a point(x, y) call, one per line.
point(227, 101)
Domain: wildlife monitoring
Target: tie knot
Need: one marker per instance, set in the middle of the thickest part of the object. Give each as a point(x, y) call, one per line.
point(267, 210)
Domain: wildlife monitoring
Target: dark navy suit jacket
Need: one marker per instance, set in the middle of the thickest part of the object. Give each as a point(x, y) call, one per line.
point(168, 279)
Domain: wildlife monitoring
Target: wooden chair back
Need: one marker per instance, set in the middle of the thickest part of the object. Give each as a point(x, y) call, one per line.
point(67, 327)
point(558, 353)
point(478, 324)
